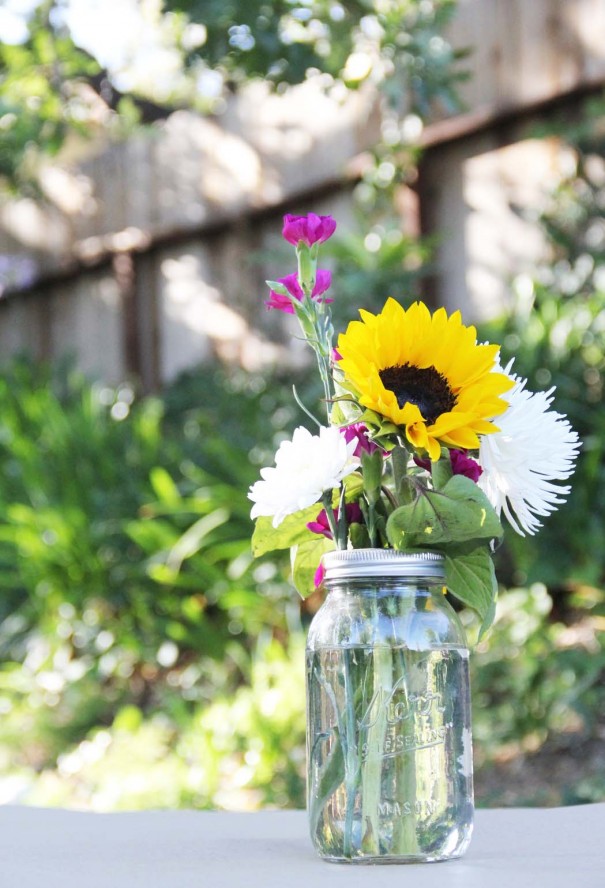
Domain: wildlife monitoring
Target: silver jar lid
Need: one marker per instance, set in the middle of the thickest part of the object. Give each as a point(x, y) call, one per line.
point(382, 562)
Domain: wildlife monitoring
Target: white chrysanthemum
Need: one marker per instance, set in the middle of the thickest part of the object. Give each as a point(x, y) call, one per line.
point(305, 468)
point(534, 448)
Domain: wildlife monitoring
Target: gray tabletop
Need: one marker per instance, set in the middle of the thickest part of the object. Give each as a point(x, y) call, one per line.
point(513, 848)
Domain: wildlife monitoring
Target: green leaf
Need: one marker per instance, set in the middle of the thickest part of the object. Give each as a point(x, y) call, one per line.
point(372, 466)
point(353, 485)
point(278, 288)
point(358, 534)
point(291, 531)
point(163, 486)
point(441, 470)
point(305, 561)
point(458, 513)
point(384, 433)
point(194, 538)
point(471, 578)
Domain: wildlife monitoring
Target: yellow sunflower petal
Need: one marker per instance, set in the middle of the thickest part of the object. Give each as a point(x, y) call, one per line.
point(464, 439)
point(417, 435)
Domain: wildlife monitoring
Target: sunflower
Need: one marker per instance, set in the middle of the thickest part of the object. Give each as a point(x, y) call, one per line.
point(425, 373)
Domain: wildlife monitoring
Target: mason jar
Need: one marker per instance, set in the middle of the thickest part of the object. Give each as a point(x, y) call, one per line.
point(389, 753)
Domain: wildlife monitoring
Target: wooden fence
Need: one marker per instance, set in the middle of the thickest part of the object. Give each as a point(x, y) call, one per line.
point(150, 258)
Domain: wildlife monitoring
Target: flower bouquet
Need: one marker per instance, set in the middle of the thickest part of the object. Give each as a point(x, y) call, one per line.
point(425, 444)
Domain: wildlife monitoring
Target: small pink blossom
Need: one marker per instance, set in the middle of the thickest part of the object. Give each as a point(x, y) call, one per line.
point(323, 280)
point(319, 575)
point(310, 229)
point(336, 356)
point(322, 527)
point(358, 431)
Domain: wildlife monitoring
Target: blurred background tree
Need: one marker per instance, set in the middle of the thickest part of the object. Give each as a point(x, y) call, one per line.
point(60, 76)
point(147, 661)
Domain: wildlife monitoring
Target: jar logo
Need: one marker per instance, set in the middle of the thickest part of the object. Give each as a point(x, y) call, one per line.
point(396, 722)
point(421, 808)
point(396, 705)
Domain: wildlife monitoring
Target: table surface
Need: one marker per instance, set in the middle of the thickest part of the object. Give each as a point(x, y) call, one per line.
point(511, 848)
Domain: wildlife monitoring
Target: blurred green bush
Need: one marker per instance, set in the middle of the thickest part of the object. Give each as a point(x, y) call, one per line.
point(124, 550)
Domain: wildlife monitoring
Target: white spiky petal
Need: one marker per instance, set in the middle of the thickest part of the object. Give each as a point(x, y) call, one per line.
point(305, 468)
point(535, 448)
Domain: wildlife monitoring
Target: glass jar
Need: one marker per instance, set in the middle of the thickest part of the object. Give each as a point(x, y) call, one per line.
point(389, 755)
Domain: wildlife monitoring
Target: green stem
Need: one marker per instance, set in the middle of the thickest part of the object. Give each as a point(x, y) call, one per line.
point(315, 315)
point(351, 757)
point(405, 838)
point(371, 778)
point(307, 268)
point(303, 407)
point(326, 501)
point(326, 379)
point(369, 516)
point(399, 462)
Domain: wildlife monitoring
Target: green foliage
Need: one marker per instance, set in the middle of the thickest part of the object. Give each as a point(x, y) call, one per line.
point(470, 576)
point(556, 334)
point(125, 548)
point(40, 99)
point(535, 677)
point(375, 264)
point(458, 520)
point(457, 513)
point(292, 530)
point(283, 40)
point(306, 558)
point(244, 750)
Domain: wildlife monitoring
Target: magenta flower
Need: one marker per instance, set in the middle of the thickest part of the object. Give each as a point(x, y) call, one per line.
point(322, 527)
point(359, 432)
point(310, 229)
point(461, 465)
point(319, 575)
point(465, 465)
point(290, 282)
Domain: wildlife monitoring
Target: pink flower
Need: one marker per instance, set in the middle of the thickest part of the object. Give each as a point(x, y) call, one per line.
point(359, 432)
point(461, 465)
point(322, 527)
point(309, 229)
point(290, 282)
point(319, 575)
point(464, 465)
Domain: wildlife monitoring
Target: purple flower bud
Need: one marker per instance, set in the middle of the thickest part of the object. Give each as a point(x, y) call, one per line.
point(310, 229)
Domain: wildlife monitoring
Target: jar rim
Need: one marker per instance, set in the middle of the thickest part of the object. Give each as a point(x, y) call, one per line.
point(344, 563)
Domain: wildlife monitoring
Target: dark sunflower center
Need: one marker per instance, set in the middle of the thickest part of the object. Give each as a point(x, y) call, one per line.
point(424, 387)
